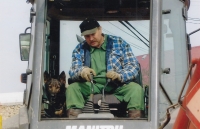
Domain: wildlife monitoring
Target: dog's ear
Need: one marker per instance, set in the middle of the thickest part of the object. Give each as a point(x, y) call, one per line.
point(62, 77)
point(46, 76)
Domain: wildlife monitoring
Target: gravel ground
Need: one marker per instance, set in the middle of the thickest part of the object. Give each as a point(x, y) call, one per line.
point(7, 111)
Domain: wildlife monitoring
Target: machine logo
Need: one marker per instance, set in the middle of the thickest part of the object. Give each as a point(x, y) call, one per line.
point(95, 127)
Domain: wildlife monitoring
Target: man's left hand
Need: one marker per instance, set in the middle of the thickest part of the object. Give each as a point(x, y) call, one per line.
point(113, 75)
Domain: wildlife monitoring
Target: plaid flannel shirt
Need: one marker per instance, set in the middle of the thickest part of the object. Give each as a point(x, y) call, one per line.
point(119, 58)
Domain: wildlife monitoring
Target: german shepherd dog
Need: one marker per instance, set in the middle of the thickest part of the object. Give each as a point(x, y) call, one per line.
point(54, 96)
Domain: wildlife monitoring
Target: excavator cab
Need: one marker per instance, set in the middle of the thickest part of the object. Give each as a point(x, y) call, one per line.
point(155, 31)
point(63, 34)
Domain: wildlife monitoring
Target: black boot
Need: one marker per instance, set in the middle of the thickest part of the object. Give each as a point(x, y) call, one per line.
point(73, 113)
point(135, 114)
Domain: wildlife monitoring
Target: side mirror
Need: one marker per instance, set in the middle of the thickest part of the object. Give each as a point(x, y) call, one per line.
point(24, 45)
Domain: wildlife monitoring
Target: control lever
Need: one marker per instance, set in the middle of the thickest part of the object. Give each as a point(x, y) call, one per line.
point(103, 96)
point(88, 110)
point(89, 106)
point(104, 108)
point(92, 83)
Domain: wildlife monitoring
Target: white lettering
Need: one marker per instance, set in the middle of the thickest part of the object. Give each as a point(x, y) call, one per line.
point(95, 127)
point(91, 127)
point(71, 127)
point(119, 127)
point(82, 127)
point(107, 127)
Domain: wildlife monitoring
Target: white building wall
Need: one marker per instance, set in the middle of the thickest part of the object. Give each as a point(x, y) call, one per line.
point(11, 98)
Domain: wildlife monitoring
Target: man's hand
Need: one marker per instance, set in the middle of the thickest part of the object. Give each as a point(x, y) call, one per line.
point(113, 75)
point(86, 72)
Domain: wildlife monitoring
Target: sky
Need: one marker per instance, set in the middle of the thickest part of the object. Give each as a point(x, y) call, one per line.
point(193, 22)
point(15, 19)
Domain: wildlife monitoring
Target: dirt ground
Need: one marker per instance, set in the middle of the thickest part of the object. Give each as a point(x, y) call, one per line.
point(7, 111)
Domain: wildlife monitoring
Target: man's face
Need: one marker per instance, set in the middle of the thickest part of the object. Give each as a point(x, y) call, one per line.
point(95, 39)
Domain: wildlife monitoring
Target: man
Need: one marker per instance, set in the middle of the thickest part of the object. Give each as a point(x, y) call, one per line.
point(104, 56)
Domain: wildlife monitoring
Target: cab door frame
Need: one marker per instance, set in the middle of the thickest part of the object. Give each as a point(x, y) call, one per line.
point(37, 77)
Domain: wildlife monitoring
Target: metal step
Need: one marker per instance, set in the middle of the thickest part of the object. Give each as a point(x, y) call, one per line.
point(19, 121)
point(23, 118)
point(11, 123)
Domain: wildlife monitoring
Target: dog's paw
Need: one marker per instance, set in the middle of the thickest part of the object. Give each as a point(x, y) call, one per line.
point(59, 113)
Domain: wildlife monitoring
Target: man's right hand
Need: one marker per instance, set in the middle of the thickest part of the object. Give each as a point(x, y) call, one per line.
point(86, 72)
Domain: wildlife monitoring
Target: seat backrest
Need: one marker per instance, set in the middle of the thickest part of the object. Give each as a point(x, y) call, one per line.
point(138, 79)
